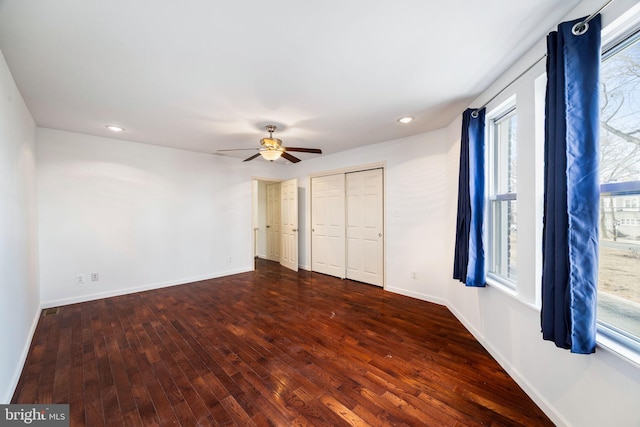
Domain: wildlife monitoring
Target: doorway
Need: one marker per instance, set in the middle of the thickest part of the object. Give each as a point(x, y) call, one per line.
point(275, 221)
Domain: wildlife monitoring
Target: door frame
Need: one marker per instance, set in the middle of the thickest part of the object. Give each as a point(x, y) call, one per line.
point(255, 210)
point(358, 168)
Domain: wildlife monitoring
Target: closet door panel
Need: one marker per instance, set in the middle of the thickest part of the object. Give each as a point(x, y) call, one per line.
point(364, 226)
point(327, 225)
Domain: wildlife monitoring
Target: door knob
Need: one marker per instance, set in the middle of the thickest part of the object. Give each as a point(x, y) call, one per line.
point(295, 229)
point(379, 234)
point(268, 226)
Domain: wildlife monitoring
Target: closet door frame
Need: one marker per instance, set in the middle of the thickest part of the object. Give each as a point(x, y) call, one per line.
point(359, 168)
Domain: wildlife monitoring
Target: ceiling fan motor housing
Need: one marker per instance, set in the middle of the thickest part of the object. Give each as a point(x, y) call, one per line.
point(271, 143)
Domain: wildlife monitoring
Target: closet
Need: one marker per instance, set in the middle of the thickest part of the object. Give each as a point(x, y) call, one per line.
point(347, 222)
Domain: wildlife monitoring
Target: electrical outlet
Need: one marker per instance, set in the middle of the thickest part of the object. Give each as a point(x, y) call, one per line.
point(229, 260)
point(80, 279)
point(414, 275)
point(95, 277)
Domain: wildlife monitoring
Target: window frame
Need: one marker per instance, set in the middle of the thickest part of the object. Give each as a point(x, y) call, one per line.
point(502, 113)
point(609, 336)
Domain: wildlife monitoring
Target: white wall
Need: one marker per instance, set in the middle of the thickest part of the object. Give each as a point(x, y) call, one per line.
point(141, 216)
point(20, 299)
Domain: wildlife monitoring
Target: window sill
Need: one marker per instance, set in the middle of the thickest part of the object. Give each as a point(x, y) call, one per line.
point(614, 346)
point(510, 290)
point(603, 341)
point(507, 287)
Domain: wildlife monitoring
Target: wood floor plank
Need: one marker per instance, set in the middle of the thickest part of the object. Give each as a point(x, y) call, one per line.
point(342, 411)
point(94, 414)
point(268, 348)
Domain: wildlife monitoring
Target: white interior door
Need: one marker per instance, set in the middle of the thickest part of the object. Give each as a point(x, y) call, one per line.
point(364, 227)
point(327, 225)
point(289, 224)
point(273, 221)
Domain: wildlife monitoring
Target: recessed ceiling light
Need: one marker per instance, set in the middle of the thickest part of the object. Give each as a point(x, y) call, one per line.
point(405, 119)
point(115, 128)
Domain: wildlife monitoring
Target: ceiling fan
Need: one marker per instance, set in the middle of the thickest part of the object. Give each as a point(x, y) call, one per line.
point(272, 148)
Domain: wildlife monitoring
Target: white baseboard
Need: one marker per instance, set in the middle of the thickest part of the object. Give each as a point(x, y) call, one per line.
point(149, 287)
point(417, 295)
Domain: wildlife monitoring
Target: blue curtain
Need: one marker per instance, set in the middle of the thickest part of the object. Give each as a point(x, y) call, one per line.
point(468, 263)
point(571, 188)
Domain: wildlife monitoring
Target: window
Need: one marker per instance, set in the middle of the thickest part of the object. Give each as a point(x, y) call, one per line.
point(619, 264)
point(502, 223)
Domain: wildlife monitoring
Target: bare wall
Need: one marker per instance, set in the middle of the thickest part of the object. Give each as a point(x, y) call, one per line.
point(140, 216)
point(20, 300)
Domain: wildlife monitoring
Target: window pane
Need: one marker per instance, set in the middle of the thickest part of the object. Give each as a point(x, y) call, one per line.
point(619, 272)
point(504, 238)
point(502, 209)
point(619, 265)
point(505, 154)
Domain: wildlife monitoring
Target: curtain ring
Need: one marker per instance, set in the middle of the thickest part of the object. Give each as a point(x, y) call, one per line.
point(474, 114)
point(580, 28)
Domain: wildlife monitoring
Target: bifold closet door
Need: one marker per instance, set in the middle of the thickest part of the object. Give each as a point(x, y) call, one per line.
point(328, 225)
point(364, 227)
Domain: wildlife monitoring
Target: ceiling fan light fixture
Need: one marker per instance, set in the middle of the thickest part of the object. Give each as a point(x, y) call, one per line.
point(271, 155)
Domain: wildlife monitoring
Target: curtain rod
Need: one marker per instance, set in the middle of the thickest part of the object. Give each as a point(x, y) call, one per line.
point(578, 29)
point(582, 27)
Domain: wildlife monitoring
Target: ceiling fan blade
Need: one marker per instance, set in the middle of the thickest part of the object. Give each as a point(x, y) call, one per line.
point(252, 157)
point(239, 149)
point(303, 150)
point(289, 157)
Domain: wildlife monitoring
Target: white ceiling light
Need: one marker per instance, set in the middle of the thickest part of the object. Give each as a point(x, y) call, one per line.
point(405, 119)
point(115, 128)
point(271, 154)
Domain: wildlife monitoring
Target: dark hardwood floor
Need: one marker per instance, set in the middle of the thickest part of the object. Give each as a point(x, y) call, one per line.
point(270, 347)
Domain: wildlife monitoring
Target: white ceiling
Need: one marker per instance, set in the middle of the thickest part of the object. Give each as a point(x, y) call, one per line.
point(205, 75)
